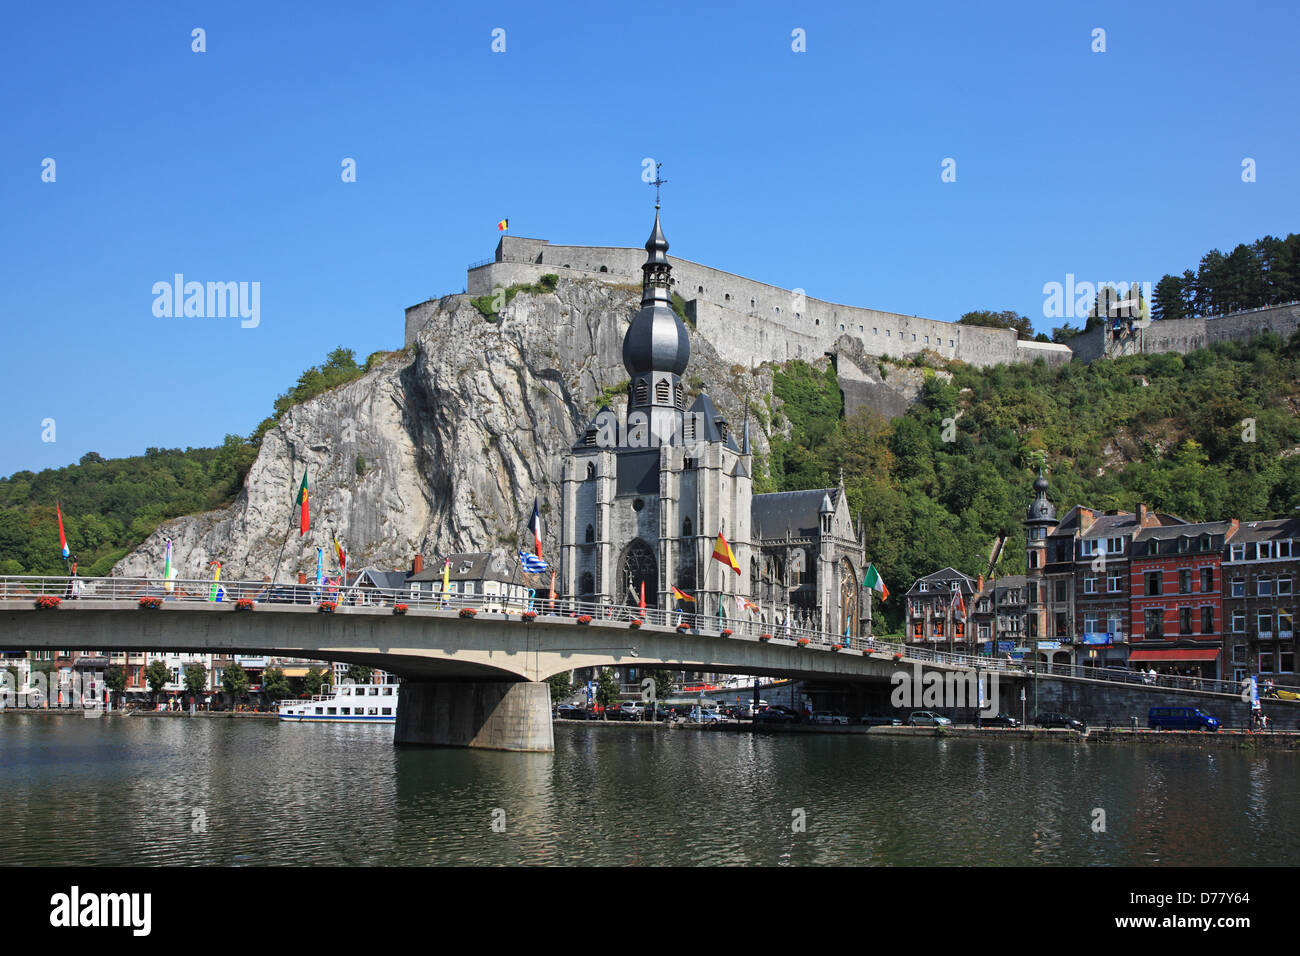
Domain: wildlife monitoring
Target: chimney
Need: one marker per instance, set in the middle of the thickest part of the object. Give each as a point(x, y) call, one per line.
point(302, 577)
point(979, 589)
point(1142, 515)
point(418, 564)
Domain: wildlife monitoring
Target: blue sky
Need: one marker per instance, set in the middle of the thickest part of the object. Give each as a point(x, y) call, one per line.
point(819, 170)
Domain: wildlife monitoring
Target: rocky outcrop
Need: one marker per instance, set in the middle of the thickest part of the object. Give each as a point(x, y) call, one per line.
point(444, 446)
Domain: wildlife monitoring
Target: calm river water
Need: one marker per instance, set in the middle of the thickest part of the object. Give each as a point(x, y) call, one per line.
point(151, 791)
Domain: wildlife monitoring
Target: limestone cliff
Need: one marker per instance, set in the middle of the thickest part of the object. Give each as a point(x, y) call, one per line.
point(455, 436)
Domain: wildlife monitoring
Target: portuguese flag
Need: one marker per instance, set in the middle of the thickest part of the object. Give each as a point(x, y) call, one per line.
point(875, 582)
point(304, 522)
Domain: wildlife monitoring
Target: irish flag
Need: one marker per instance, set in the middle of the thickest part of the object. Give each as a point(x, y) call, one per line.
point(722, 552)
point(304, 522)
point(875, 582)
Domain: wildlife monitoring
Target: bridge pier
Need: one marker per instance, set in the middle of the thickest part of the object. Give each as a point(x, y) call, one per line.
point(492, 715)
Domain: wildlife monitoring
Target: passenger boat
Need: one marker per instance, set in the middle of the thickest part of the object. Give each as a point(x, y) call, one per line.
point(349, 703)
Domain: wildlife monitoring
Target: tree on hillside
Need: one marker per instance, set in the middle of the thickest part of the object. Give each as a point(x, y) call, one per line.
point(999, 320)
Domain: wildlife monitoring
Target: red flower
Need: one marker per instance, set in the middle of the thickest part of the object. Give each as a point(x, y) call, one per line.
point(400, 608)
point(528, 615)
point(327, 607)
point(48, 602)
point(467, 612)
point(634, 623)
point(584, 619)
point(244, 604)
point(837, 647)
point(765, 637)
point(726, 632)
point(150, 603)
point(802, 642)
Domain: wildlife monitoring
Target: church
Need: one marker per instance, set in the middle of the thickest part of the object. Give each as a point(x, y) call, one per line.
point(646, 496)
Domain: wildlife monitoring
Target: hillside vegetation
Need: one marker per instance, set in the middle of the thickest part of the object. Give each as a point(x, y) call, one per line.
point(1213, 434)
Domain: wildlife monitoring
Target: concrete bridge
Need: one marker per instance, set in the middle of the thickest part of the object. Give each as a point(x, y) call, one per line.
point(473, 667)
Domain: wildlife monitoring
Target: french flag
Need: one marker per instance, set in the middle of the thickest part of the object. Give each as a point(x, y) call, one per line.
point(535, 525)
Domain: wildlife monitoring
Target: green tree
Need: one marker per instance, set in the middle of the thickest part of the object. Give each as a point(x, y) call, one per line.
point(234, 681)
point(1020, 324)
point(359, 674)
point(313, 681)
point(157, 675)
point(561, 685)
point(115, 680)
point(607, 688)
point(275, 684)
point(196, 679)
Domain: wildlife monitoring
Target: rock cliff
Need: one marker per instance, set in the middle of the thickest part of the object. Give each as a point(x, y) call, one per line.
point(444, 446)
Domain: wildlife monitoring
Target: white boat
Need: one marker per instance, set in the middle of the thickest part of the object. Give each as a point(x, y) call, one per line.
point(349, 703)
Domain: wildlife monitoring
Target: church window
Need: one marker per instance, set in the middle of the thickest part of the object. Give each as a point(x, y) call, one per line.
point(589, 439)
point(690, 464)
point(677, 395)
point(701, 289)
point(642, 392)
point(591, 534)
point(686, 527)
point(588, 585)
point(688, 428)
point(638, 504)
point(591, 471)
point(661, 392)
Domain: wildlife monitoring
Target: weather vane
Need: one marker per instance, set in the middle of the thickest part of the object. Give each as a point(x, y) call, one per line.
point(657, 183)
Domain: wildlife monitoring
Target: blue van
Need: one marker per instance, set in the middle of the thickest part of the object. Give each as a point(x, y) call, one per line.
point(1180, 718)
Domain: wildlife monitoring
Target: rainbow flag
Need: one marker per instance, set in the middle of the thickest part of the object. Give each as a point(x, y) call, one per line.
point(722, 552)
point(216, 593)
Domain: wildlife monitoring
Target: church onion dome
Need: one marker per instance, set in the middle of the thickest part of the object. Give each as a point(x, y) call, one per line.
point(656, 341)
point(1041, 509)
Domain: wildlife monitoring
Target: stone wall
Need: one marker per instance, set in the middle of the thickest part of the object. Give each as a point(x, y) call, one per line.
point(1185, 335)
point(1099, 701)
point(751, 322)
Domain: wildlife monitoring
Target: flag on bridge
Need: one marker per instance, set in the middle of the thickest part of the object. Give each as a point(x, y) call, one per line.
point(532, 564)
point(63, 540)
point(304, 522)
point(217, 592)
point(680, 595)
point(875, 582)
point(343, 558)
point(958, 605)
point(722, 552)
point(535, 526)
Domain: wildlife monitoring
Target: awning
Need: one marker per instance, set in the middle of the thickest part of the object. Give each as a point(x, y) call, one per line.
point(295, 671)
point(1176, 654)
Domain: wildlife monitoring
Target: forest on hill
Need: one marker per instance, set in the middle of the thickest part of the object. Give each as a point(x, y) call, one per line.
point(1213, 434)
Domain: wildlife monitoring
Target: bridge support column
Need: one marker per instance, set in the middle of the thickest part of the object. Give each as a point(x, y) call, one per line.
point(492, 715)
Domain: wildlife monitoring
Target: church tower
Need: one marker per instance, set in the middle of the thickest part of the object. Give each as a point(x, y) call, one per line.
point(1040, 521)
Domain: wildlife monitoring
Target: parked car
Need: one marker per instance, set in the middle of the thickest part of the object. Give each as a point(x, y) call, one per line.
point(570, 712)
point(829, 717)
point(704, 715)
point(926, 718)
point(775, 715)
point(1059, 720)
point(628, 710)
point(1180, 718)
point(1001, 720)
point(880, 720)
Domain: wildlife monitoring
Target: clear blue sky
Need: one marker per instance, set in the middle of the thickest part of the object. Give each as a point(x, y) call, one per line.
point(818, 170)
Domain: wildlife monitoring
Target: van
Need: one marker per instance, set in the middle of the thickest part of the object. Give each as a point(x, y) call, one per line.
point(1180, 718)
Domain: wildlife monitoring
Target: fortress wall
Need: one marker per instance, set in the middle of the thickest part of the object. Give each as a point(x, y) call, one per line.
point(766, 321)
point(1282, 319)
point(1050, 352)
point(1174, 335)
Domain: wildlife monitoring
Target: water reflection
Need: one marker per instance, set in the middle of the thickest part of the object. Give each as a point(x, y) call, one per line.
point(229, 792)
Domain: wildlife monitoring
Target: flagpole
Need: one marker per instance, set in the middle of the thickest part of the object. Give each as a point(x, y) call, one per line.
point(287, 531)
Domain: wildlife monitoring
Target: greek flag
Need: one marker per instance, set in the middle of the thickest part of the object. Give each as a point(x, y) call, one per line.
point(531, 563)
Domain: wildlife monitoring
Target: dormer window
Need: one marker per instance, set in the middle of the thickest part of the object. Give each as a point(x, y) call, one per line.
point(925, 586)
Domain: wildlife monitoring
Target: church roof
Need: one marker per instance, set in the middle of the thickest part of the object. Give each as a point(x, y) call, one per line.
point(797, 510)
point(712, 431)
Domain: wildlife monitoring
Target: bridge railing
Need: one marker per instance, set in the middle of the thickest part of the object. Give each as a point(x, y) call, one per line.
point(203, 591)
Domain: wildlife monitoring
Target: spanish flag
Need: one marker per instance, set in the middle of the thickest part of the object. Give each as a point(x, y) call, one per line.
point(680, 595)
point(304, 522)
point(722, 552)
point(503, 225)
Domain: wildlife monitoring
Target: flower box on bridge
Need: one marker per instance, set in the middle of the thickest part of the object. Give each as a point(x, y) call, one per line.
point(802, 642)
point(726, 632)
point(467, 612)
point(400, 608)
point(634, 623)
point(150, 603)
point(765, 637)
point(245, 604)
point(327, 607)
point(48, 602)
point(528, 615)
point(584, 618)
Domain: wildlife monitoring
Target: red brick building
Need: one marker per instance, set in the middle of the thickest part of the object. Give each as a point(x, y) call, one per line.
point(1176, 598)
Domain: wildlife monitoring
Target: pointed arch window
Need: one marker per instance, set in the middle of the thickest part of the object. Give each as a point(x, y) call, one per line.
point(686, 528)
point(591, 534)
point(591, 467)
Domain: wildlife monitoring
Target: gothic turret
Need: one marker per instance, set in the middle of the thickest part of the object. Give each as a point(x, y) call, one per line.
point(656, 347)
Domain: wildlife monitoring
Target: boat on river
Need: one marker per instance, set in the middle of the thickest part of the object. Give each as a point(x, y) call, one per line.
point(349, 703)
